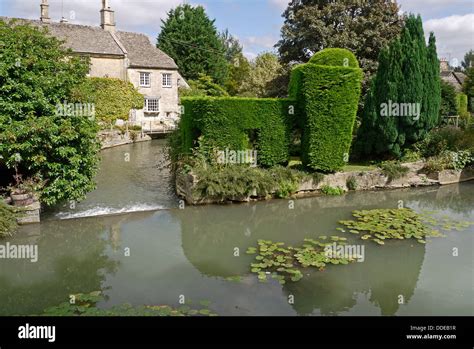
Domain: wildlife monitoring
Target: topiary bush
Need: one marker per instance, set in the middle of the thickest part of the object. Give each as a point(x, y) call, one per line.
point(328, 97)
point(323, 101)
point(336, 57)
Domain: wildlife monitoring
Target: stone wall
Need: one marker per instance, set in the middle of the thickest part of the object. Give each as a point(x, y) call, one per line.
point(367, 180)
point(112, 67)
point(169, 100)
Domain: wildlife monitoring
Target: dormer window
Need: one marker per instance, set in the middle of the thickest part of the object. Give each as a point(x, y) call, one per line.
point(145, 80)
point(167, 80)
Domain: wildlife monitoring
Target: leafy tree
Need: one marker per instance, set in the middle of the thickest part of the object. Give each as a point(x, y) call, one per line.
point(239, 70)
point(191, 39)
point(407, 79)
point(37, 75)
point(233, 48)
point(113, 98)
point(363, 27)
point(468, 87)
point(263, 72)
point(468, 60)
point(203, 86)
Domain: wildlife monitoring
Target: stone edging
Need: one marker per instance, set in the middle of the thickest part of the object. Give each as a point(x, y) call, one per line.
point(366, 180)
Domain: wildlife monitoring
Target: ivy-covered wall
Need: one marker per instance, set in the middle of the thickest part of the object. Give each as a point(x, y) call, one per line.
point(322, 103)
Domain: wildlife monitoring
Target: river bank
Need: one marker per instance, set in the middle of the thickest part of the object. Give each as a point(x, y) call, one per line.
point(186, 184)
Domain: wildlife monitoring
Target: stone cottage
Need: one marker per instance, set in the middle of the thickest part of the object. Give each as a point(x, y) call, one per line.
point(456, 79)
point(127, 56)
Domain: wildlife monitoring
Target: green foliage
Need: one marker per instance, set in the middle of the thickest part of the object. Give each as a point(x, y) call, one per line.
point(335, 57)
point(384, 224)
point(468, 61)
point(231, 182)
point(331, 191)
point(445, 139)
point(393, 170)
point(449, 160)
point(261, 78)
point(37, 74)
point(239, 70)
point(461, 107)
point(233, 48)
point(351, 183)
point(113, 98)
point(328, 97)
point(448, 100)
point(408, 74)
point(284, 263)
point(8, 223)
point(86, 305)
point(203, 86)
point(191, 39)
point(239, 124)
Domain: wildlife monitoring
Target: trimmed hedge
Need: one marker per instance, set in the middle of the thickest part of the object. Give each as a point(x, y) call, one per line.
point(335, 57)
point(323, 100)
point(229, 122)
point(329, 97)
point(461, 104)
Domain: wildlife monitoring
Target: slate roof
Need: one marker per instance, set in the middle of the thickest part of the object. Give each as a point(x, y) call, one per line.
point(456, 79)
point(142, 53)
point(94, 40)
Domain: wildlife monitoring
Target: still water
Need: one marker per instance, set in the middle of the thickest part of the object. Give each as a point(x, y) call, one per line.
point(191, 252)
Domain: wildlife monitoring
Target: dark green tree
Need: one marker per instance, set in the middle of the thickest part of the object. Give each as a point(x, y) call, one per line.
point(232, 46)
point(191, 39)
point(203, 86)
point(405, 95)
point(37, 75)
point(468, 88)
point(363, 27)
point(468, 61)
point(239, 70)
point(448, 100)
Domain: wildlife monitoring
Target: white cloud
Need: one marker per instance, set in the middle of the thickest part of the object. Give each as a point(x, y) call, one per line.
point(265, 41)
point(250, 55)
point(454, 35)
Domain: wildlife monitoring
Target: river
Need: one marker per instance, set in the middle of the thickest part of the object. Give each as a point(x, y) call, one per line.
point(131, 240)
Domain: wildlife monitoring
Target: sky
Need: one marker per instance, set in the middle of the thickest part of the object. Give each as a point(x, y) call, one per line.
point(256, 23)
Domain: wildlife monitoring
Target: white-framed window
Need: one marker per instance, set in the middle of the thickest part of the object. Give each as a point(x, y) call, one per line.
point(152, 104)
point(166, 78)
point(145, 79)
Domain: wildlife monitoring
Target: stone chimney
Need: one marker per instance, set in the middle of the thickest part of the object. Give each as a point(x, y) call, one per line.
point(45, 12)
point(443, 64)
point(107, 17)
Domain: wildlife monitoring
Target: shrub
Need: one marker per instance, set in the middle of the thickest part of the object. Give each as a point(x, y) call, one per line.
point(393, 170)
point(328, 190)
point(351, 183)
point(239, 124)
point(8, 223)
point(328, 96)
point(37, 74)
